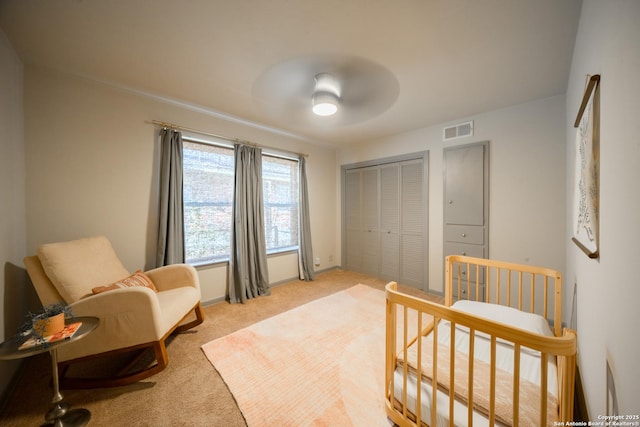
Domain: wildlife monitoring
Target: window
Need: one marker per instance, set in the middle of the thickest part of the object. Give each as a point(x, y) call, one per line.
point(208, 179)
point(280, 188)
point(208, 176)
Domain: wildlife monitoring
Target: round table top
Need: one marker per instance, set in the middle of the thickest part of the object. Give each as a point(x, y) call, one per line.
point(10, 349)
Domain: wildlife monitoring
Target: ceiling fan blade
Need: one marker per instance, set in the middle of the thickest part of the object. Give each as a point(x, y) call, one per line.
point(366, 88)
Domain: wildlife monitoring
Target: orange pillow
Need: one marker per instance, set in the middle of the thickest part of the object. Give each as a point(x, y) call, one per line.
point(136, 279)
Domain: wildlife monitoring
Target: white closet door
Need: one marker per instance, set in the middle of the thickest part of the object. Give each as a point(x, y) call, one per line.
point(390, 222)
point(370, 222)
point(412, 203)
point(464, 185)
point(385, 221)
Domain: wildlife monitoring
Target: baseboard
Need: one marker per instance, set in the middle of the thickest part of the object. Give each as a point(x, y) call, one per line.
point(212, 301)
point(274, 284)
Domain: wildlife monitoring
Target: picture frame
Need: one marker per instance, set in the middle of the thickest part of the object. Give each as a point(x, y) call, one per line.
point(586, 172)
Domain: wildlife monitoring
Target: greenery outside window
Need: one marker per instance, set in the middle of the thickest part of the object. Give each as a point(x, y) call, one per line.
point(208, 176)
point(208, 180)
point(281, 203)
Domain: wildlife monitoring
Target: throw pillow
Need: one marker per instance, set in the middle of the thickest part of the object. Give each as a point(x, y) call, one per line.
point(136, 279)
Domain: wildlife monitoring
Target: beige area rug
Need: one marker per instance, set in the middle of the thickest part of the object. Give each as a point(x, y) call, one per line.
point(320, 364)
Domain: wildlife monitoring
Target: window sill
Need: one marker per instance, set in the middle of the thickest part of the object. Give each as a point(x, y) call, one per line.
point(218, 263)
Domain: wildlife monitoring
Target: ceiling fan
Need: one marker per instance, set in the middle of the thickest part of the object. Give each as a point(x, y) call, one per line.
point(359, 89)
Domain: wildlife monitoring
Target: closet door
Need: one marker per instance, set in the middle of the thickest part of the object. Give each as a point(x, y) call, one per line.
point(464, 185)
point(390, 222)
point(412, 207)
point(385, 221)
point(370, 222)
point(353, 227)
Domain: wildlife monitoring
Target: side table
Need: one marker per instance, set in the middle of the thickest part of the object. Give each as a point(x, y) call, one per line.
point(59, 414)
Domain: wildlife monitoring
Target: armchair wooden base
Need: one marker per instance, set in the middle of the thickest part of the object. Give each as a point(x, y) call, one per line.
point(124, 376)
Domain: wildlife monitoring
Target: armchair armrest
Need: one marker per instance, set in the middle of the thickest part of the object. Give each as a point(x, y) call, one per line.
point(128, 316)
point(174, 276)
point(121, 300)
point(129, 311)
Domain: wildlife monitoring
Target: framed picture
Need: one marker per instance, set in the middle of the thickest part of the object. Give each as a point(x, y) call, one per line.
point(586, 184)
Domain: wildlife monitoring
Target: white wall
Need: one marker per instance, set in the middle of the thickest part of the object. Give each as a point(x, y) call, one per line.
point(13, 304)
point(92, 159)
point(527, 161)
point(608, 294)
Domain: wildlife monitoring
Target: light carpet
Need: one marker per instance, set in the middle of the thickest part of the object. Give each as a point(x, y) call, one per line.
point(320, 364)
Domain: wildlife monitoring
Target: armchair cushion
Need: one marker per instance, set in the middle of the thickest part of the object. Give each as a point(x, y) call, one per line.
point(77, 266)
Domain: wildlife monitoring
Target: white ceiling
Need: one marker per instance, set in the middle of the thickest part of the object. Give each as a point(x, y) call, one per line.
point(448, 59)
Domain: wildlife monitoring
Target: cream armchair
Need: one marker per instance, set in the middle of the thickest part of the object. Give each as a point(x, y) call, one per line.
point(131, 318)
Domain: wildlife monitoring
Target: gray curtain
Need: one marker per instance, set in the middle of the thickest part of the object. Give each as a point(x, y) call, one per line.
point(248, 275)
point(171, 222)
point(305, 251)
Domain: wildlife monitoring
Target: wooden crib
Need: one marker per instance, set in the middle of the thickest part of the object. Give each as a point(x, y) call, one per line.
point(517, 370)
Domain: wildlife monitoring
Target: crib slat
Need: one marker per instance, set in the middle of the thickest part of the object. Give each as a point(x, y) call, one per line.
point(546, 296)
point(543, 388)
point(557, 305)
point(459, 281)
point(533, 293)
point(452, 370)
point(492, 383)
point(487, 286)
point(472, 334)
point(390, 350)
point(498, 276)
point(434, 373)
point(405, 368)
point(419, 371)
point(519, 290)
point(477, 283)
point(508, 304)
point(516, 385)
point(468, 281)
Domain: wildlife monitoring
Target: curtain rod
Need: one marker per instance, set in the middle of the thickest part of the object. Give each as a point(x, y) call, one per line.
point(227, 138)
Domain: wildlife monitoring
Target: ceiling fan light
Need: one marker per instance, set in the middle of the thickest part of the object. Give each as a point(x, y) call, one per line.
point(325, 103)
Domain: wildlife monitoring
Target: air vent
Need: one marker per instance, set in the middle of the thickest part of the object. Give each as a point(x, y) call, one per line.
point(458, 131)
